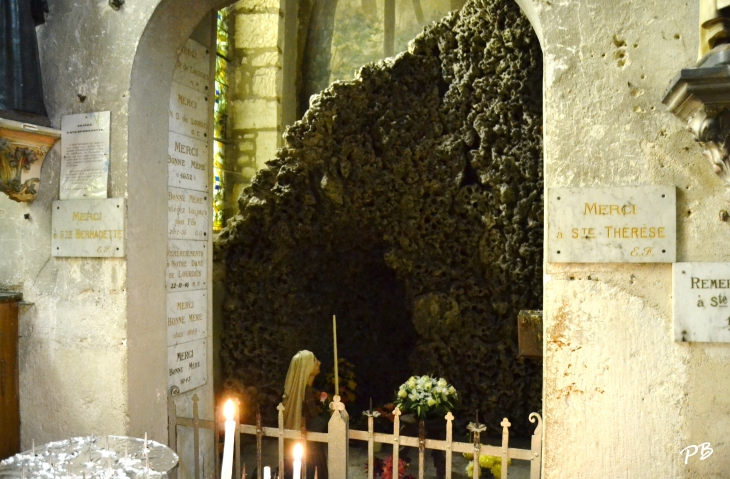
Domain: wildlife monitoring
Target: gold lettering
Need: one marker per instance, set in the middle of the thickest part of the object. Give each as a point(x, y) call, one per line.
point(175, 321)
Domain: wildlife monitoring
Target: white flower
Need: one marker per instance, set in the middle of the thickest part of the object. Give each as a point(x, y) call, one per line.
point(442, 383)
point(402, 393)
point(412, 382)
point(452, 390)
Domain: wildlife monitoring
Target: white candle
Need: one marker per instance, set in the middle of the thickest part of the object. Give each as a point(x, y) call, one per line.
point(337, 364)
point(227, 466)
point(298, 451)
point(267, 472)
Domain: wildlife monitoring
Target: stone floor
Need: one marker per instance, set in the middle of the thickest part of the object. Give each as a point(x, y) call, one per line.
point(358, 460)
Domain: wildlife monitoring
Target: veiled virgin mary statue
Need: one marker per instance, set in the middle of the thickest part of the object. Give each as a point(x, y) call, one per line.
point(20, 71)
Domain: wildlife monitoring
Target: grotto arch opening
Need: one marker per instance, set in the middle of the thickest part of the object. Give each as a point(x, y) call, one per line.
point(427, 169)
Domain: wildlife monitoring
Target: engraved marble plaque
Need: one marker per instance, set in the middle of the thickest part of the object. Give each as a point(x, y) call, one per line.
point(88, 228)
point(193, 67)
point(186, 365)
point(188, 112)
point(620, 224)
point(187, 162)
point(700, 296)
point(187, 265)
point(187, 214)
point(187, 318)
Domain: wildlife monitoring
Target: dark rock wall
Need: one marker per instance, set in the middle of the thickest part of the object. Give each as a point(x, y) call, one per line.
point(409, 202)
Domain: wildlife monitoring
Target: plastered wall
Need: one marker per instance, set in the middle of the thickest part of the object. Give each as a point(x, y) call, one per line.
point(621, 398)
point(92, 356)
point(73, 337)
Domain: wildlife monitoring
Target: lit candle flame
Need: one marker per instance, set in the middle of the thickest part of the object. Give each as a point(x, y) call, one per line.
point(228, 410)
point(298, 452)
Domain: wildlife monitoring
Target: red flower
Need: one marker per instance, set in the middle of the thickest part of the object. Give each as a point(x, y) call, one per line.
point(388, 468)
point(323, 396)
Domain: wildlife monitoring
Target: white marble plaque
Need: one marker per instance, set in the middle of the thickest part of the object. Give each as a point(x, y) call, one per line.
point(620, 224)
point(187, 214)
point(188, 112)
point(84, 155)
point(186, 365)
point(193, 67)
point(187, 162)
point(187, 317)
point(701, 300)
point(89, 228)
point(187, 265)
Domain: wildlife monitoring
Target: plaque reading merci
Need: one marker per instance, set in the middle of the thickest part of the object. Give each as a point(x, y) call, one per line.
point(620, 224)
point(89, 228)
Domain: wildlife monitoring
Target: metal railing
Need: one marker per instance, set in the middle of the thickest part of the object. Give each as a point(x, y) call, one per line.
point(339, 434)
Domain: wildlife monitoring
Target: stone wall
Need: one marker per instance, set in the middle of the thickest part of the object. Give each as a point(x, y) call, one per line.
point(255, 76)
point(422, 175)
point(622, 398)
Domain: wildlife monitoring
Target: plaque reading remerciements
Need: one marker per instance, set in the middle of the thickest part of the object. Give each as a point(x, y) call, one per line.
point(187, 265)
point(701, 300)
point(621, 224)
point(88, 228)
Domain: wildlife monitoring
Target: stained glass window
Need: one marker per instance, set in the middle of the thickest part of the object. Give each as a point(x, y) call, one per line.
point(221, 119)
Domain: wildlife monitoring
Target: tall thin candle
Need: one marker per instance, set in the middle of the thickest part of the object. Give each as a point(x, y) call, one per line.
point(227, 466)
point(298, 453)
point(337, 364)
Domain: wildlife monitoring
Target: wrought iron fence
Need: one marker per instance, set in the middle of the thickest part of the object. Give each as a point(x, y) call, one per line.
point(339, 434)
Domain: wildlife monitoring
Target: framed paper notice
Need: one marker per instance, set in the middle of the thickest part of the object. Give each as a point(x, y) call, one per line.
point(84, 155)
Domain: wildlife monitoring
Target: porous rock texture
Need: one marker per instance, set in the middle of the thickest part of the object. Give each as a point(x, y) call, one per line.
point(409, 202)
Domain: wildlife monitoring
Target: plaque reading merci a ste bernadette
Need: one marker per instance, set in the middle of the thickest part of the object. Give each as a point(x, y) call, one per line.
point(620, 224)
point(89, 228)
point(701, 300)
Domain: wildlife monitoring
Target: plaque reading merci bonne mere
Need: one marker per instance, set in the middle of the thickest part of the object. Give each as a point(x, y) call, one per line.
point(620, 224)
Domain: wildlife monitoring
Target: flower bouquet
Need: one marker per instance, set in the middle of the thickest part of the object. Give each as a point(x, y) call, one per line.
point(383, 468)
point(493, 463)
point(426, 397)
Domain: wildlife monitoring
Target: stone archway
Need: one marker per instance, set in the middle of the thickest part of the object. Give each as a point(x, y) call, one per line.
point(168, 29)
